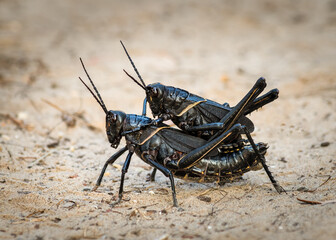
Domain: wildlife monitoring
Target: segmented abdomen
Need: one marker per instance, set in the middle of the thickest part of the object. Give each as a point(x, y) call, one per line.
point(227, 165)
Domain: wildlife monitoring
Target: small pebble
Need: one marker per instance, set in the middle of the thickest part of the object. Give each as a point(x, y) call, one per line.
point(204, 198)
point(302, 189)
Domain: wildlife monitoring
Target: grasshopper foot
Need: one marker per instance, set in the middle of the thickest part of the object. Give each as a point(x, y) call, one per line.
point(113, 204)
point(279, 188)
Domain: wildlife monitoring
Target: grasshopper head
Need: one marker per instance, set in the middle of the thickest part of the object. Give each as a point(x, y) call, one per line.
point(114, 126)
point(154, 93)
point(114, 119)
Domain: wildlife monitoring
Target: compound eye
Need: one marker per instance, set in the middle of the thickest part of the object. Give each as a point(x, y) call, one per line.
point(154, 92)
point(113, 117)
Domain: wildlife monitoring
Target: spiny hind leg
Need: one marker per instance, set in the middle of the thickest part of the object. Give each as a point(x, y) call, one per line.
point(263, 161)
point(236, 112)
point(263, 100)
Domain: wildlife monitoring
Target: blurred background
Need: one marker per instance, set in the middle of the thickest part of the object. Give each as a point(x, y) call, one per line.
point(208, 48)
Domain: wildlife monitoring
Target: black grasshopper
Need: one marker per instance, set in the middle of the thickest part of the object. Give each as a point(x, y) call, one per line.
point(198, 116)
point(194, 114)
point(176, 153)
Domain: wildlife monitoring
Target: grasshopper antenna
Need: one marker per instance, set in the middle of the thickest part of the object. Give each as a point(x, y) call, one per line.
point(103, 106)
point(135, 80)
point(135, 69)
point(98, 99)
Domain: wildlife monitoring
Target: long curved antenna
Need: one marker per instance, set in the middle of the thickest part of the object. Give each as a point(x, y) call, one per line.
point(135, 69)
point(101, 102)
point(103, 106)
point(135, 80)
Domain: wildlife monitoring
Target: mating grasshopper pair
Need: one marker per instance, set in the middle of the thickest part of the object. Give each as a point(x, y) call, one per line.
point(207, 147)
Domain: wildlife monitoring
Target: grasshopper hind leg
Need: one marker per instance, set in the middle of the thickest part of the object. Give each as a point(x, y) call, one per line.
point(261, 158)
point(152, 175)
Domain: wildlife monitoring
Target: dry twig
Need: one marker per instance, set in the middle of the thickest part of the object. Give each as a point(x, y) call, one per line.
point(329, 177)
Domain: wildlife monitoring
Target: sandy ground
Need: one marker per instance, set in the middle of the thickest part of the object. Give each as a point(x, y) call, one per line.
point(217, 49)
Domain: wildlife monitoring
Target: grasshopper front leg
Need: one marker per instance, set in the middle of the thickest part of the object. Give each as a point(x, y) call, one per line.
point(144, 107)
point(123, 172)
point(111, 160)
